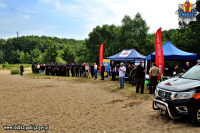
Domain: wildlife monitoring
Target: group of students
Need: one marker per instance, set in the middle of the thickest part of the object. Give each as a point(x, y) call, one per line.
point(78, 70)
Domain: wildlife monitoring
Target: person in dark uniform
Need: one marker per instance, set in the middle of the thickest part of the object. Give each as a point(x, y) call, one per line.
point(166, 70)
point(46, 69)
point(33, 68)
point(92, 70)
point(113, 70)
point(56, 69)
point(102, 71)
point(67, 67)
point(176, 70)
point(134, 74)
point(80, 70)
point(140, 78)
point(60, 68)
point(76, 68)
point(72, 69)
point(187, 67)
point(52, 69)
point(64, 70)
point(129, 74)
point(83, 70)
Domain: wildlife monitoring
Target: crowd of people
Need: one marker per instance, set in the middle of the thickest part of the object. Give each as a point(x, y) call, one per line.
point(77, 70)
point(135, 77)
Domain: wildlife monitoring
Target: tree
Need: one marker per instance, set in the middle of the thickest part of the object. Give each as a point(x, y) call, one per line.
point(68, 54)
point(1, 57)
point(52, 51)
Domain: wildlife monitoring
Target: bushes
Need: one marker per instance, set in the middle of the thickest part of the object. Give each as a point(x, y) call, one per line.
point(15, 71)
point(5, 65)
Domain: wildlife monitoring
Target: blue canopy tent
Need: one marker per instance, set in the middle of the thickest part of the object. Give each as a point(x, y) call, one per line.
point(173, 53)
point(127, 55)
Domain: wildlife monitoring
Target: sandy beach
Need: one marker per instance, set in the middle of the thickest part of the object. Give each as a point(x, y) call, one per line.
point(72, 107)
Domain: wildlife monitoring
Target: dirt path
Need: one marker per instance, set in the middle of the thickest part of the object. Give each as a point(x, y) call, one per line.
point(78, 107)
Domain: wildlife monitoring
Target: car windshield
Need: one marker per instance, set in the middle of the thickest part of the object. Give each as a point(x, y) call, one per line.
point(193, 73)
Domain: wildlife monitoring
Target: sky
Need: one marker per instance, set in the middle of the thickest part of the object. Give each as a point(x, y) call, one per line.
point(77, 18)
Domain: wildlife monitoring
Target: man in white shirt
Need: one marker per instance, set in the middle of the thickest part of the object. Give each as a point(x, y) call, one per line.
point(122, 71)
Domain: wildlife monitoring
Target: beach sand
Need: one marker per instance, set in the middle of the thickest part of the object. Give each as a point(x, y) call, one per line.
point(72, 107)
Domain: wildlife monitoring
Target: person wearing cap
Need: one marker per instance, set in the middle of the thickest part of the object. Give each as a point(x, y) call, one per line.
point(153, 76)
point(67, 67)
point(122, 71)
point(76, 68)
point(102, 71)
point(46, 69)
point(140, 78)
point(113, 70)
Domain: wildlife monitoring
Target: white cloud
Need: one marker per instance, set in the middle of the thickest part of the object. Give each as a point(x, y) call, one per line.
point(35, 32)
point(92, 19)
point(2, 5)
point(26, 16)
point(89, 26)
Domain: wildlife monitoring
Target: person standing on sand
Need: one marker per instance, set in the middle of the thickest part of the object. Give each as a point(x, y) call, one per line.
point(122, 71)
point(113, 70)
point(102, 71)
point(95, 71)
point(22, 70)
point(140, 78)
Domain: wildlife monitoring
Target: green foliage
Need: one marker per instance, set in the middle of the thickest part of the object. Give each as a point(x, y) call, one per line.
point(15, 71)
point(52, 51)
point(68, 54)
point(5, 65)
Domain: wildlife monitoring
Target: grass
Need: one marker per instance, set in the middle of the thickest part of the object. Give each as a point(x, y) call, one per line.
point(112, 86)
point(15, 71)
point(11, 66)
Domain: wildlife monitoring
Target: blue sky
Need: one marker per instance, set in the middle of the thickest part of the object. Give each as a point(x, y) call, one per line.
point(76, 18)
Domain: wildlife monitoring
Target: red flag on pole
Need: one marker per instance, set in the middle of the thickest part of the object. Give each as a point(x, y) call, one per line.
point(159, 52)
point(100, 56)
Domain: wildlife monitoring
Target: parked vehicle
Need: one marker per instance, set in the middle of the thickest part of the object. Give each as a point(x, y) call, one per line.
point(180, 96)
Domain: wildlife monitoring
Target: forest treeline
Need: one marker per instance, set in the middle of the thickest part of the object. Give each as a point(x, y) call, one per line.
point(132, 34)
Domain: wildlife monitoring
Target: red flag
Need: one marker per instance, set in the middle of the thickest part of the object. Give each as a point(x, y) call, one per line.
point(100, 56)
point(159, 52)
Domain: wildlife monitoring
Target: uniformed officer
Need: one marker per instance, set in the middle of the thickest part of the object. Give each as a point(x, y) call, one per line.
point(80, 69)
point(113, 70)
point(52, 69)
point(72, 69)
point(129, 74)
point(56, 69)
point(60, 67)
point(64, 70)
point(68, 68)
point(153, 75)
point(102, 71)
point(76, 68)
point(46, 69)
point(92, 69)
point(134, 75)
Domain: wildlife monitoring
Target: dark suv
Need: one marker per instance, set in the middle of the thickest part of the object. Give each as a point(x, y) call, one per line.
point(180, 97)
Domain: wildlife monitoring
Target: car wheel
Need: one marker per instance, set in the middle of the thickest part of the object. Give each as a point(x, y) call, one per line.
point(196, 119)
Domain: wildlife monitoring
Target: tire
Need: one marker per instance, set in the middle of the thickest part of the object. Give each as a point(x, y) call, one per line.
point(196, 119)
